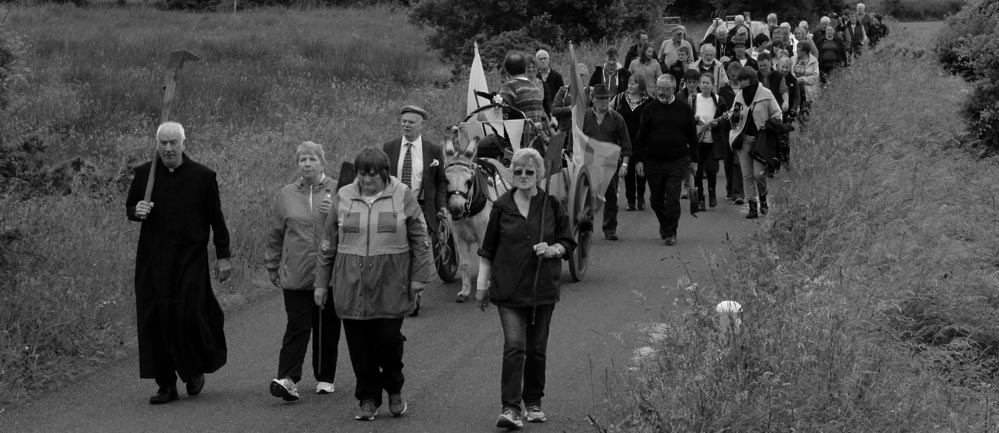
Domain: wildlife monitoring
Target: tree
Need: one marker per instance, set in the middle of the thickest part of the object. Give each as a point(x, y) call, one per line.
point(534, 23)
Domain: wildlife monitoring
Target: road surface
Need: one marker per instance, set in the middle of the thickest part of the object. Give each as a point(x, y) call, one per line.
point(452, 359)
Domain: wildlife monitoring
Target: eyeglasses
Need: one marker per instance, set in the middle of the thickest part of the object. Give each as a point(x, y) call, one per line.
point(523, 172)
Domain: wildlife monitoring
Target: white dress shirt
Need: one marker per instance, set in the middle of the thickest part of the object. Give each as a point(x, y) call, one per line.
point(417, 154)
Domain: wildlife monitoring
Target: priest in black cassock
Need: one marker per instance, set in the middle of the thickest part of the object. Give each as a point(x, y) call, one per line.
point(179, 319)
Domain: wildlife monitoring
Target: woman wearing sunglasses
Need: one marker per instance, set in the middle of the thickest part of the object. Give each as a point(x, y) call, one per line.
point(510, 255)
point(375, 254)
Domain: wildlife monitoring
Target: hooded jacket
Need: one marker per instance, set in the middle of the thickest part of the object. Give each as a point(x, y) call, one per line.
point(370, 253)
point(294, 233)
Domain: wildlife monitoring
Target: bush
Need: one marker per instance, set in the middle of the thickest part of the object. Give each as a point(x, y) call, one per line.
point(967, 46)
point(459, 23)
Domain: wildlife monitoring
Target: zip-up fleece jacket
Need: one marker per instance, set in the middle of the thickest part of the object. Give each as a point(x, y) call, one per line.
point(369, 254)
point(294, 232)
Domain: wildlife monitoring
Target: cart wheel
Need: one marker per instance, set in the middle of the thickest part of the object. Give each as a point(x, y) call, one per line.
point(581, 216)
point(445, 253)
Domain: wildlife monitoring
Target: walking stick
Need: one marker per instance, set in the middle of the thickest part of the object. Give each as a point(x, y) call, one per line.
point(541, 230)
point(176, 61)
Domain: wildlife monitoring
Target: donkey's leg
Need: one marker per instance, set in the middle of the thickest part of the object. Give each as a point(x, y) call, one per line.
point(462, 241)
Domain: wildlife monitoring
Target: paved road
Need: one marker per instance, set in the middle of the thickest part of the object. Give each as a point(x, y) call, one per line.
point(452, 355)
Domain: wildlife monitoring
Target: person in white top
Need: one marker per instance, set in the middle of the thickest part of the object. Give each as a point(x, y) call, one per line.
point(668, 50)
point(706, 109)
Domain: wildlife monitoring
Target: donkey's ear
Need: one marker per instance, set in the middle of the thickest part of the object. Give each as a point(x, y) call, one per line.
point(449, 151)
point(473, 147)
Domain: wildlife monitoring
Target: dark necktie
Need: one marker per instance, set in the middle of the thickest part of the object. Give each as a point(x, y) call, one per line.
point(407, 166)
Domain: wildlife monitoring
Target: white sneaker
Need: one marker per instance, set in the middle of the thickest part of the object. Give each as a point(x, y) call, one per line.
point(285, 389)
point(324, 388)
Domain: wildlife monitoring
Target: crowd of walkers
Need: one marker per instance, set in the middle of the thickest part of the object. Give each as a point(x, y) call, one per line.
point(356, 256)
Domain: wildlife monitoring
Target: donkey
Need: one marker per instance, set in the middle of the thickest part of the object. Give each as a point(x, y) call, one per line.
point(472, 187)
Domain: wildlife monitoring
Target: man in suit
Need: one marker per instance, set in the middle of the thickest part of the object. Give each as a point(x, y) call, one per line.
point(419, 164)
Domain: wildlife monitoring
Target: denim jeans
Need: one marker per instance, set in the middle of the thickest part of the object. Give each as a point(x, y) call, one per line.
point(754, 178)
point(525, 347)
point(375, 347)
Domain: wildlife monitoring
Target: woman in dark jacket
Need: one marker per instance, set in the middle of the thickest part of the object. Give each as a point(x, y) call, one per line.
point(630, 104)
point(509, 257)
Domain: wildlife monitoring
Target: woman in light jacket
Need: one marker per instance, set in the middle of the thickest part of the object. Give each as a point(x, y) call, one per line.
point(753, 106)
point(805, 67)
point(290, 258)
point(375, 255)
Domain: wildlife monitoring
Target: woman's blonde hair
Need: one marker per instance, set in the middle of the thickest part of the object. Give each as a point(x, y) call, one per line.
point(527, 156)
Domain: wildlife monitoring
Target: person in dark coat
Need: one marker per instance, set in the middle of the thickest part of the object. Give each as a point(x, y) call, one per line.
point(630, 104)
point(508, 258)
point(611, 73)
point(723, 149)
point(179, 321)
point(425, 175)
point(666, 147)
point(604, 124)
point(550, 77)
point(641, 38)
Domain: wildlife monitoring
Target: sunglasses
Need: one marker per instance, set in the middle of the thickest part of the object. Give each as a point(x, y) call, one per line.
point(523, 172)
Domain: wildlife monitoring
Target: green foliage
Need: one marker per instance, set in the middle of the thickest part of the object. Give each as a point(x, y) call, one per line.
point(968, 46)
point(915, 10)
point(869, 292)
point(532, 23)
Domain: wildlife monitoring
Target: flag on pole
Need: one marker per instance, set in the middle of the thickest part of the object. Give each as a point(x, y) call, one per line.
point(476, 82)
point(599, 156)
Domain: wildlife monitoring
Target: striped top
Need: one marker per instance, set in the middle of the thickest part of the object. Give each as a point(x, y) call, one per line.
point(526, 97)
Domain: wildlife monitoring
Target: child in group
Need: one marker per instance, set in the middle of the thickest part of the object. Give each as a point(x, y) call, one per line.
point(683, 59)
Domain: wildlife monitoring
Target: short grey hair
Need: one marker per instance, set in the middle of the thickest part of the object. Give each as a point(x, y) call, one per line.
point(527, 156)
point(709, 48)
point(772, 15)
point(666, 78)
point(540, 52)
point(824, 21)
point(311, 148)
point(172, 129)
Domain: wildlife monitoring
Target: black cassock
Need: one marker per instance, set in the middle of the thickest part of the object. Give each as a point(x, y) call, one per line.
point(180, 323)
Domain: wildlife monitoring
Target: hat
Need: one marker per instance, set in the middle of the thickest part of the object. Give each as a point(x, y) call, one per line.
point(414, 109)
point(600, 91)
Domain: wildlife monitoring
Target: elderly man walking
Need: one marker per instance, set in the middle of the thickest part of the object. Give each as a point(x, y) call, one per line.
point(419, 164)
point(604, 124)
point(552, 79)
point(666, 145)
point(180, 323)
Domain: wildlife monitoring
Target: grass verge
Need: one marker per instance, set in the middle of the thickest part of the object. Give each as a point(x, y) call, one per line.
point(869, 292)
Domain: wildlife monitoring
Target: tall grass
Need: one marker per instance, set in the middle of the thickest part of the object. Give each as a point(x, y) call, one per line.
point(90, 86)
point(869, 292)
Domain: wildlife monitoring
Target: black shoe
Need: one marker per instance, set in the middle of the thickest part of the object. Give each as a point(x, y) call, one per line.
point(712, 200)
point(164, 395)
point(670, 241)
point(641, 205)
point(764, 207)
point(610, 236)
point(630, 207)
point(701, 207)
point(195, 385)
point(752, 211)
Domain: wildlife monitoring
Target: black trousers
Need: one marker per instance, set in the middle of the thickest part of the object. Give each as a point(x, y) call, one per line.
point(733, 176)
point(634, 187)
point(707, 166)
point(610, 205)
point(665, 179)
point(376, 347)
point(303, 322)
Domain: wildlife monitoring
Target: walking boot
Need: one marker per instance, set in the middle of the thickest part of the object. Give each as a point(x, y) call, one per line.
point(764, 207)
point(712, 200)
point(752, 211)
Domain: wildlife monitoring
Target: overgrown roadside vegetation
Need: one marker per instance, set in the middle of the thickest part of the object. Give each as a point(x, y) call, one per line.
point(869, 293)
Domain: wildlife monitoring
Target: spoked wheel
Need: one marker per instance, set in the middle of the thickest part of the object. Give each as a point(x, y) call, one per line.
point(445, 253)
point(581, 214)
